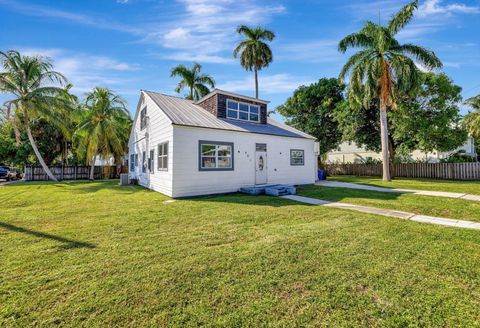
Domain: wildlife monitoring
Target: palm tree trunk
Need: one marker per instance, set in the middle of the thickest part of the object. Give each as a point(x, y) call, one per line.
point(37, 153)
point(18, 139)
point(391, 152)
point(92, 168)
point(384, 139)
point(256, 83)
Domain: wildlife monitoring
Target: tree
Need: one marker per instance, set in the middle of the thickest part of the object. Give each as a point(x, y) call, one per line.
point(428, 119)
point(104, 126)
point(197, 84)
point(30, 80)
point(384, 68)
point(472, 119)
point(254, 52)
point(311, 109)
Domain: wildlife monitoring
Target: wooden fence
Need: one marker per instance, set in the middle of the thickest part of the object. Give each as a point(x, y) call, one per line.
point(72, 172)
point(446, 171)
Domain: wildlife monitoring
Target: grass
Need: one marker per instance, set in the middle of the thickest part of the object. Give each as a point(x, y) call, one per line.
point(467, 187)
point(427, 205)
point(99, 254)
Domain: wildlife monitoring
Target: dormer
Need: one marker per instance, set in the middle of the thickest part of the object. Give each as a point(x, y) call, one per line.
point(224, 104)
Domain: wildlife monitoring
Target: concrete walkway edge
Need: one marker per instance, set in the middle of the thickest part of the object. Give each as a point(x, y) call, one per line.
point(387, 212)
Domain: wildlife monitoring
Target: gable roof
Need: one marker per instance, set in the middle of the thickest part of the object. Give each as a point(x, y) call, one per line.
point(185, 112)
point(232, 94)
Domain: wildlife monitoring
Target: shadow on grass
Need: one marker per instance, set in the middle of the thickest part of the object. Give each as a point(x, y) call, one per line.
point(243, 199)
point(68, 243)
point(84, 186)
point(335, 194)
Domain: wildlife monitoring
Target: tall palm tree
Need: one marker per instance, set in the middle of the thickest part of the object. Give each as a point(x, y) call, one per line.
point(254, 52)
point(472, 119)
point(104, 126)
point(197, 83)
point(384, 68)
point(30, 80)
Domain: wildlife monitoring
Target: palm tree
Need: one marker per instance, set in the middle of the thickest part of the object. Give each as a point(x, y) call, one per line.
point(104, 126)
point(192, 79)
point(255, 53)
point(30, 80)
point(472, 119)
point(384, 68)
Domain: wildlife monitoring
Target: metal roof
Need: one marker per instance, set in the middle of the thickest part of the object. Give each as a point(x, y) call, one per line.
point(184, 112)
point(232, 94)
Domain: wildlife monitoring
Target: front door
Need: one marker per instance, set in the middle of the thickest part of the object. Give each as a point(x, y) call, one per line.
point(261, 164)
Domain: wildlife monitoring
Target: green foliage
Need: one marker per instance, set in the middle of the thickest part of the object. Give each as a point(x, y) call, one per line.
point(104, 125)
point(195, 82)
point(458, 158)
point(429, 119)
point(472, 119)
point(311, 109)
point(254, 51)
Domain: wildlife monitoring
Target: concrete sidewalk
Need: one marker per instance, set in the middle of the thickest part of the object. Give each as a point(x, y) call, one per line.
point(387, 212)
point(335, 184)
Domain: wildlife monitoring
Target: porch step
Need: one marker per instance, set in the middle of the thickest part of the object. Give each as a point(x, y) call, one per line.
point(271, 190)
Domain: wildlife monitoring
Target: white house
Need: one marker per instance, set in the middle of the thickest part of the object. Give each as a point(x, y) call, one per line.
point(349, 152)
point(218, 144)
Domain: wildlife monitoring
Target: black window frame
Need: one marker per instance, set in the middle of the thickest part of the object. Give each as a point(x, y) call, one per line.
point(132, 162)
point(216, 143)
point(151, 161)
point(303, 157)
point(143, 118)
point(161, 154)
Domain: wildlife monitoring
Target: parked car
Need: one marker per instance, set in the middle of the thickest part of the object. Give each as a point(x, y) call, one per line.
point(9, 173)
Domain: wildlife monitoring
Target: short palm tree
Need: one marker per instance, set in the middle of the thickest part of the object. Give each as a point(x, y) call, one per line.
point(384, 68)
point(197, 83)
point(254, 52)
point(31, 81)
point(104, 126)
point(472, 119)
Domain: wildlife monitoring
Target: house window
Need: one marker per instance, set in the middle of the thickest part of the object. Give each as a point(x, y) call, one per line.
point(297, 157)
point(136, 160)
point(243, 111)
point(215, 156)
point(143, 118)
point(151, 160)
point(162, 157)
point(132, 162)
point(144, 162)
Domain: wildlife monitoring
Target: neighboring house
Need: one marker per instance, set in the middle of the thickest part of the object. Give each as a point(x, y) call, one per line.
point(218, 144)
point(349, 152)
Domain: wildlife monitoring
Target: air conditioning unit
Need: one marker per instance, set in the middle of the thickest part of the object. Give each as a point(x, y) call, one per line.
point(123, 179)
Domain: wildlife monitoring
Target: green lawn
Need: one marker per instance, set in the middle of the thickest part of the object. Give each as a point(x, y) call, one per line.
point(427, 205)
point(98, 254)
point(467, 187)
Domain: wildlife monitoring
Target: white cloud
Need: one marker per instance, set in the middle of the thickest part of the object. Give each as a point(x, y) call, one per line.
point(268, 84)
point(86, 71)
point(434, 7)
point(314, 51)
point(202, 29)
point(50, 12)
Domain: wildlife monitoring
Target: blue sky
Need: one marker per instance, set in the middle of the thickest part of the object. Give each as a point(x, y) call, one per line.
point(128, 45)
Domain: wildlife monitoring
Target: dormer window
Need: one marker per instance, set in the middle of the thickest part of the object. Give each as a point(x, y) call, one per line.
point(243, 111)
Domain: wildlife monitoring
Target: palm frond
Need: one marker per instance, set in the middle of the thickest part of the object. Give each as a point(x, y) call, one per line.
point(402, 18)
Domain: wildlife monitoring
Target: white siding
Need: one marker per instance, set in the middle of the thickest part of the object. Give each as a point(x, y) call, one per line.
point(188, 180)
point(159, 130)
